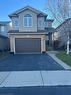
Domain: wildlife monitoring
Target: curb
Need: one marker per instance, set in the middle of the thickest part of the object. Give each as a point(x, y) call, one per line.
point(64, 65)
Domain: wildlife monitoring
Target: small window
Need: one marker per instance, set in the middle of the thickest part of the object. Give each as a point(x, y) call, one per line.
point(16, 22)
point(28, 20)
point(40, 22)
point(2, 28)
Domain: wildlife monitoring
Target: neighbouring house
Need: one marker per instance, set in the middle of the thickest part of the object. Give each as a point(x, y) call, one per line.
point(4, 27)
point(62, 32)
point(4, 40)
point(30, 31)
point(4, 43)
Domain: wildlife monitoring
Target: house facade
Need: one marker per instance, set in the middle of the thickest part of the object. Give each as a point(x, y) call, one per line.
point(29, 31)
point(62, 32)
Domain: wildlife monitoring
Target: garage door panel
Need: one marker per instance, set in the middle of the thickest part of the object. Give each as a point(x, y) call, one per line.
point(30, 45)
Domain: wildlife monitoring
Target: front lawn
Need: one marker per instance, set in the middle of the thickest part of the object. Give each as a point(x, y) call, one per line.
point(64, 57)
point(4, 55)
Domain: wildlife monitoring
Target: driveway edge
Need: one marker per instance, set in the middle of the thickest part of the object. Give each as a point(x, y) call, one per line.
point(67, 67)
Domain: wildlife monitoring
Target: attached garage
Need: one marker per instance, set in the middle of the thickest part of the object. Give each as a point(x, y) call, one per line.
point(24, 43)
point(27, 45)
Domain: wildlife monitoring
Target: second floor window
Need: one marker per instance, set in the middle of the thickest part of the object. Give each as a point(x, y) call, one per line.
point(16, 23)
point(27, 20)
point(2, 28)
point(40, 22)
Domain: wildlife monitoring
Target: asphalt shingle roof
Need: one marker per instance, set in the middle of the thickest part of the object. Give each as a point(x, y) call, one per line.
point(46, 31)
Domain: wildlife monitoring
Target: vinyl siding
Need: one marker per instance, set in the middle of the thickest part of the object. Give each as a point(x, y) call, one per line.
point(21, 21)
point(41, 27)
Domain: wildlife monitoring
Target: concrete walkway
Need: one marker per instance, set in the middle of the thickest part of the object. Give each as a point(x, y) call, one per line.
point(35, 78)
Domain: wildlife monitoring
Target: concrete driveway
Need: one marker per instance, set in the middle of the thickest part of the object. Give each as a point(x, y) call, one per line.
point(29, 62)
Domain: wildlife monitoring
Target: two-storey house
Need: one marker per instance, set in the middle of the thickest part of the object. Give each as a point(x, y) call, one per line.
point(29, 30)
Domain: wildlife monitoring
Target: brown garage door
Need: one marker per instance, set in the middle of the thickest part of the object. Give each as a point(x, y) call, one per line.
point(27, 45)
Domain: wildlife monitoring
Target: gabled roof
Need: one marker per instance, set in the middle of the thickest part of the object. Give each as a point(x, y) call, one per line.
point(66, 21)
point(2, 36)
point(46, 31)
point(25, 8)
point(4, 22)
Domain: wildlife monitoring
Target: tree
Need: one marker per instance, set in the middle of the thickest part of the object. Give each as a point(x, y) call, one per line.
point(60, 10)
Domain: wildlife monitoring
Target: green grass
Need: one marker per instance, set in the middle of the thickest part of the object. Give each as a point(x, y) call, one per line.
point(4, 55)
point(64, 57)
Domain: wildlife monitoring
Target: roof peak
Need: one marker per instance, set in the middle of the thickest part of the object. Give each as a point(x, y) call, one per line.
point(65, 21)
point(27, 7)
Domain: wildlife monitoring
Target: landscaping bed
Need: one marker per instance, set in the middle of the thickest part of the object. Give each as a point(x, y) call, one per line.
point(4, 54)
point(64, 57)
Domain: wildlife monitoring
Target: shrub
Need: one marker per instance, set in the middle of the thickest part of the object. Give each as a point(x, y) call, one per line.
point(56, 44)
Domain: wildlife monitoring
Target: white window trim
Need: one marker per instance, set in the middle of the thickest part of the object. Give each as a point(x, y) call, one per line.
point(40, 20)
point(28, 21)
point(16, 25)
point(2, 28)
point(42, 23)
point(16, 19)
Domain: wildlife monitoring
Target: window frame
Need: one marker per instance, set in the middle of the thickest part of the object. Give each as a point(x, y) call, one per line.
point(40, 22)
point(14, 22)
point(2, 28)
point(27, 20)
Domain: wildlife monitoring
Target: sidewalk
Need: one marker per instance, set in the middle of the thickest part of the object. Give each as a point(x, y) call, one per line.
point(36, 78)
point(52, 54)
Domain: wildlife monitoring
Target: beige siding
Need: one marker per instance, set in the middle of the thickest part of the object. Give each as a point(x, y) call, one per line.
point(21, 21)
point(13, 26)
point(41, 19)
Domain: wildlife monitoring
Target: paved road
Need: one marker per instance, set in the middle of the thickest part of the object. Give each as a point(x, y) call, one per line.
point(29, 62)
point(55, 90)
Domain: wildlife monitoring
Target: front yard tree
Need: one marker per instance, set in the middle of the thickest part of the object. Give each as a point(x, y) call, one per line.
point(60, 10)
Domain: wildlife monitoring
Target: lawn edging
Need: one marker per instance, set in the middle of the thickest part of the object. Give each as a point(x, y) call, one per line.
point(64, 65)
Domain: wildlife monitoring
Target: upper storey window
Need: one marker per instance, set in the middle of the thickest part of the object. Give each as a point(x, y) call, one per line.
point(28, 20)
point(2, 28)
point(16, 22)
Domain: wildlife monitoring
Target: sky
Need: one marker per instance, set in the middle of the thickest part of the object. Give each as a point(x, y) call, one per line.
point(9, 6)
